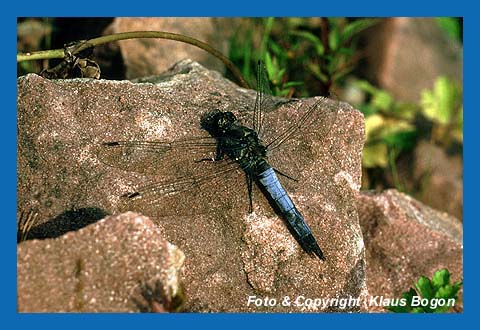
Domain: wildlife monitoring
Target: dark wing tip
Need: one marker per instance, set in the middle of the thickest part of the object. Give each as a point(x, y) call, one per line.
point(131, 195)
point(110, 144)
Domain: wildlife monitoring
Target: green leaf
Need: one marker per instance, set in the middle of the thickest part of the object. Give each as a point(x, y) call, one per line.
point(451, 26)
point(455, 288)
point(292, 84)
point(366, 86)
point(294, 22)
point(382, 100)
point(283, 92)
point(446, 292)
point(439, 105)
point(393, 133)
point(266, 34)
point(406, 111)
point(424, 287)
point(277, 50)
point(408, 296)
point(315, 70)
point(333, 64)
point(276, 80)
point(375, 155)
point(367, 109)
point(418, 310)
point(334, 39)
point(428, 289)
point(440, 278)
point(398, 309)
point(373, 125)
point(346, 51)
point(457, 131)
point(319, 47)
point(357, 26)
point(269, 66)
point(442, 309)
point(401, 140)
point(342, 73)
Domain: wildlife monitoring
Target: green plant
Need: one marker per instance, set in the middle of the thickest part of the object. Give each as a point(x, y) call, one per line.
point(443, 106)
point(437, 295)
point(452, 26)
point(276, 74)
point(335, 48)
point(303, 56)
point(389, 127)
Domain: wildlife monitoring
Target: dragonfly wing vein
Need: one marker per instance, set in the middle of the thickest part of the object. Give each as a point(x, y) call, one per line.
point(164, 188)
point(320, 110)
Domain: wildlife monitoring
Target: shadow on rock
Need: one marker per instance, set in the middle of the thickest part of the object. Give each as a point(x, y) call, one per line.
point(70, 220)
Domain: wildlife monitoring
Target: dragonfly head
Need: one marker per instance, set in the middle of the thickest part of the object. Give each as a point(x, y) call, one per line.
point(217, 122)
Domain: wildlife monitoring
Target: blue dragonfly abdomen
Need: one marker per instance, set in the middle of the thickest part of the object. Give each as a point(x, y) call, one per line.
point(297, 225)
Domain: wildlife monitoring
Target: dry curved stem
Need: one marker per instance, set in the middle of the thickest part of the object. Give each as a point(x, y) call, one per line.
point(60, 53)
point(25, 223)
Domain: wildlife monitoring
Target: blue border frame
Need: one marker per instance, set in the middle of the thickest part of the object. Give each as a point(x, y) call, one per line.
point(221, 8)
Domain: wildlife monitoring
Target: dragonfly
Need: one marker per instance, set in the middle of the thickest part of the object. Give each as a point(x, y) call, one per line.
point(235, 146)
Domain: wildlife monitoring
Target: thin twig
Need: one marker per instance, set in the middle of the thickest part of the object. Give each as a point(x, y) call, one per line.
point(60, 53)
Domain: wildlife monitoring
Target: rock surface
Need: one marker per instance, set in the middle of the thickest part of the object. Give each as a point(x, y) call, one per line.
point(229, 253)
point(404, 240)
point(100, 268)
point(441, 176)
point(147, 57)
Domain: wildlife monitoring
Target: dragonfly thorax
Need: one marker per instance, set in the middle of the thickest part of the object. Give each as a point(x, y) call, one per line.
point(238, 142)
point(245, 148)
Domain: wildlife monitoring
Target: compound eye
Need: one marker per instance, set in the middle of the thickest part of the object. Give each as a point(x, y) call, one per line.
point(231, 117)
point(226, 120)
point(224, 124)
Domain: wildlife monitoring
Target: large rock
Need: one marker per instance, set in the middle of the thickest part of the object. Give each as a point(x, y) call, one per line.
point(404, 240)
point(104, 267)
point(229, 253)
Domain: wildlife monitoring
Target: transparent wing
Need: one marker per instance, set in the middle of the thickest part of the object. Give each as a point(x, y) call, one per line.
point(264, 100)
point(299, 136)
point(154, 191)
point(319, 116)
point(156, 157)
point(216, 184)
point(177, 173)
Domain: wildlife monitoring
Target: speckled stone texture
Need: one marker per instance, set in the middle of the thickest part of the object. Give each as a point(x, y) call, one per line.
point(100, 268)
point(404, 240)
point(229, 253)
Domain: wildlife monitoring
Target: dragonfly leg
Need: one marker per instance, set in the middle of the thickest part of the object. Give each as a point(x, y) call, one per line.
point(249, 187)
point(205, 160)
point(285, 175)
